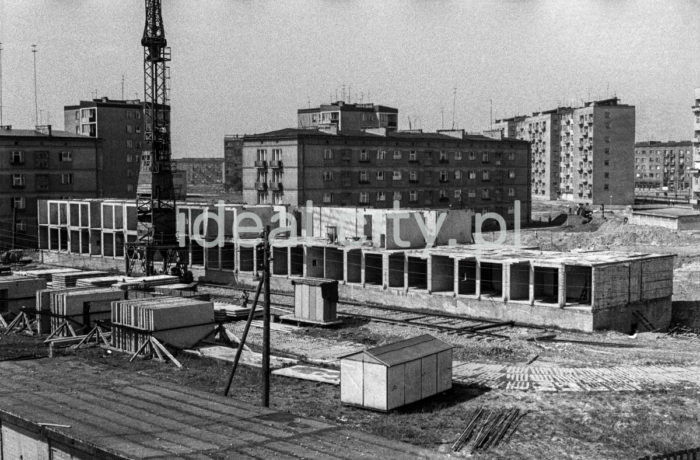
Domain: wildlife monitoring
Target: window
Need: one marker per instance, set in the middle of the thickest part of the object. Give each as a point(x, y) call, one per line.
point(607, 150)
point(77, 114)
point(363, 177)
point(381, 154)
point(364, 156)
point(511, 191)
point(397, 154)
point(511, 156)
point(443, 176)
point(276, 154)
point(607, 125)
point(380, 175)
point(129, 158)
point(484, 175)
point(458, 194)
point(471, 193)
point(412, 156)
point(607, 114)
point(485, 157)
point(129, 143)
point(327, 176)
point(18, 180)
point(397, 196)
point(606, 187)
point(511, 174)
point(458, 174)
point(66, 156)
point(129, 129)
point(19, 202)
point(327, 154)
point(397, 175)
point(485, 194)
point(472, 174)
point(42, 182)
point(41, 160)
point(364, 198)
point(328, 197)
point(413, 176)
point(511, 209)
point(607, 139)
point(66, 178)
point(20, 225)
point(443, 156)
point(472, 155)
point(129, 187)
point(261, 154)
point(17, 157)
point(381, 196)
point(607, 175)
point(458, 155)
point(443, 194)
point(412, 196)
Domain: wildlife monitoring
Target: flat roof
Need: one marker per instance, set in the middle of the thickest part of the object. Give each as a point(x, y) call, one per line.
point(668, 212)
point(36, 134)
point(114, 413)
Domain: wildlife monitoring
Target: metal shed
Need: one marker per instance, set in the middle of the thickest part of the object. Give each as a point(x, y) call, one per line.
point(396, 374)
point(315, 300)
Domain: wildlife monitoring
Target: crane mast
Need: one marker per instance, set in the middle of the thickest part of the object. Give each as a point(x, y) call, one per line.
point(155, 194)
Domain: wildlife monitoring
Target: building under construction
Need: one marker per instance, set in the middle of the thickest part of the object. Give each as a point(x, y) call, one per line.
point(587, 290)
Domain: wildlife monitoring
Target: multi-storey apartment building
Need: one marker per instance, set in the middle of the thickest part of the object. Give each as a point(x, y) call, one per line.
point(663, 165)
point(233, 163)
point(341, 116)
point(201, 171)
point(582, 154)
point(695, 166)
point(375, 169)
point(41, 164)
point(120, 125)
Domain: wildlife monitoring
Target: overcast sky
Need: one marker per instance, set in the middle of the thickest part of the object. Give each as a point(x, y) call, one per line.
point(246, 66)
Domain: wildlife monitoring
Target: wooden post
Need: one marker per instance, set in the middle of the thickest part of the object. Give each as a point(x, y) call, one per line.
point(266, 323)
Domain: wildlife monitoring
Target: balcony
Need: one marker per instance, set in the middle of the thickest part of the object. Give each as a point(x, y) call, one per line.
point(363, 181)
point(364, 159)
point(261, 186)
point(277, 186)
point(412, 160)
point(276, 164)
point(260, 164)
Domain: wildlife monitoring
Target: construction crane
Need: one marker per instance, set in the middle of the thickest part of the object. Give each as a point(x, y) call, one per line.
point(156, 249)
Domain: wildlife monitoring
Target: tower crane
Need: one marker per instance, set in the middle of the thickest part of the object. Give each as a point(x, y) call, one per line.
point(156, 248)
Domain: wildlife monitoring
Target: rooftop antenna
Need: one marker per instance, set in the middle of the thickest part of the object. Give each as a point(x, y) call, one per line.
point(369, 99)
point(0, 83)
point(349, 93)
point(491, 113)
point(442, 117)
point(36, 100)
point(308, 101)
point(343, 92)
point(122, 87)
point(336, 95)
point(454, 101)
point(362, 97)
point(409, 123)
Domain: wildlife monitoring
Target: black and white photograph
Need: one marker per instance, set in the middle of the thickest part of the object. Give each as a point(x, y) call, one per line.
point(349, 229)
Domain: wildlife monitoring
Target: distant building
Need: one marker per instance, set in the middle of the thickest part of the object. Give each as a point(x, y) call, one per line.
point(233, 164)
point(341, 116)
point(120, 124)
point(374, 169)
point(663, 166)
point(583, 154)
point(42, 164)
point(695, 166)
point(201, 171)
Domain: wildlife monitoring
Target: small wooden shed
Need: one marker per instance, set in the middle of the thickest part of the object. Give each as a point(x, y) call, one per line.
point(315, 300)
point(396, 374)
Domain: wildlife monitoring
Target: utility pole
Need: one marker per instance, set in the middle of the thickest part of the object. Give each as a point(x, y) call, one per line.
point(266, 322)
point(36, 100)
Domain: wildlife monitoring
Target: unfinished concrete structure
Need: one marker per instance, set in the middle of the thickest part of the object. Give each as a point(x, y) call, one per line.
point(581, 290)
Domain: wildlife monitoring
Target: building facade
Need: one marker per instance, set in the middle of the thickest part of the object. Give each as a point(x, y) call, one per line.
point(42, 164)
point(418, 170)
point(663, 166)
point(341, 116)
point(120, 125)
point(201, 171)
point(582, 154)
point(695, 166)
point(233, 163)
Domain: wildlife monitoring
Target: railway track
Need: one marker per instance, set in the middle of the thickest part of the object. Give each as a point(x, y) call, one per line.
point(420, 318)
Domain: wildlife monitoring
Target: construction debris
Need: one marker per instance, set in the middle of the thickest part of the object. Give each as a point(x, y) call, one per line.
point(486, 430)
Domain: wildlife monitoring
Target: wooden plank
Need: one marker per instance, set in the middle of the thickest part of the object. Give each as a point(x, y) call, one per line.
point(395, 386)
point(428, 376)
point(351, 382)
point(374, 388)
point(412, 381)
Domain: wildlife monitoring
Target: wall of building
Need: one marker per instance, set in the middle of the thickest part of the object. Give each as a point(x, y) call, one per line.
point(613, 156)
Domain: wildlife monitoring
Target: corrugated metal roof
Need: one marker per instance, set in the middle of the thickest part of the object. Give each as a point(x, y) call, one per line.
point(407, 350)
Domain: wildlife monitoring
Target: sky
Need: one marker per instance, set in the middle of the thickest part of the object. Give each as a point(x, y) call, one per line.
point(246, 66)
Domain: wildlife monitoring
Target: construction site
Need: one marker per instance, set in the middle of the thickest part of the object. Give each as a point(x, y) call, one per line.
point(161, 328)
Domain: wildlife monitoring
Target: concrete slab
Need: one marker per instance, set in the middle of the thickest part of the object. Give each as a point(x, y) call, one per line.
point(248, 358)
point(313, 373)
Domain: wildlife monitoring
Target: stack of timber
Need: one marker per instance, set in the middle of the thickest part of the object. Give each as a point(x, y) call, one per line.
point(177, 290)
point(147, 282)
point(176, 321)
point(64, 280)
point(81, 308)
point(46, 273)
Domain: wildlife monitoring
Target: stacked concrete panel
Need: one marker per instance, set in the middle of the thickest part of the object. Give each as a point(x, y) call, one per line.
point(82, 307)
point(64, 280)
point(176, 321)
point(18, 291)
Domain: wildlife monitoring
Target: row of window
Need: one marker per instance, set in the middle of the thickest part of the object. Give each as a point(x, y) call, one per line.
point(485, 194)
point(328, 154)
point(42, 180)
point(18, 158)
point(413, 175)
